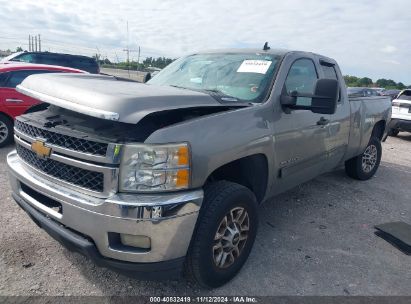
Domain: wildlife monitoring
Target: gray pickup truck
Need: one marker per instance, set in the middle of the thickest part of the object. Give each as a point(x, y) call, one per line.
point(153, 179)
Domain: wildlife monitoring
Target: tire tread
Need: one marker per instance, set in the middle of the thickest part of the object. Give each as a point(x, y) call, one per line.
point(214, 195)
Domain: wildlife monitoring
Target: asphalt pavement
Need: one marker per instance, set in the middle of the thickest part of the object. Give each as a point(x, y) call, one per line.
point(316, 239)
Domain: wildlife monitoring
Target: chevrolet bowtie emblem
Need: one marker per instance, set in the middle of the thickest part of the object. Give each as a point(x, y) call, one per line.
point(40, 148)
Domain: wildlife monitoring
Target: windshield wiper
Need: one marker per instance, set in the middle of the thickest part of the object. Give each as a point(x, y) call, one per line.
point(176, 86)
point(220, 94)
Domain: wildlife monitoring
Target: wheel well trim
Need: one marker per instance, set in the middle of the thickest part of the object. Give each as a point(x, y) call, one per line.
point(253, 159)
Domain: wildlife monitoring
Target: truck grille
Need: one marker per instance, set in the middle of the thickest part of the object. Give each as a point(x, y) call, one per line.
point(77, 176)
point(65, 141)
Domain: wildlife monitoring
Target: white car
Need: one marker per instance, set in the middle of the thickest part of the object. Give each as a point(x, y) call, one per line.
point(401, 113)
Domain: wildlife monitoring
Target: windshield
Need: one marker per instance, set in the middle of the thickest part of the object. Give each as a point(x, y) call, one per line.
point(228, 77)
point(11, 57)
point(406, 95)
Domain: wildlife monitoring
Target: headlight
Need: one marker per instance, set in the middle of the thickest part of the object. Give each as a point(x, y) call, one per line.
point(146, 168)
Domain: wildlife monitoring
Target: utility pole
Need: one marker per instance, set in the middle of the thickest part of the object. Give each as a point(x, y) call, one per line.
point(33, 46)
point(127, 50)
point(138, 58)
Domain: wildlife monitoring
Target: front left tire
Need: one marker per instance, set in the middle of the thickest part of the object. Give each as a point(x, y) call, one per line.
point(224, 235)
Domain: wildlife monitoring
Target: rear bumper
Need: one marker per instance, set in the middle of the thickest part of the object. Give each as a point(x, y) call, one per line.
point(93, 226)
point(401, 124)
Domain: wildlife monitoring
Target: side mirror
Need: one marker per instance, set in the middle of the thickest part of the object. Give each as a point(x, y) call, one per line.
point(289, 100)
point(324, 100)
point(325, 97)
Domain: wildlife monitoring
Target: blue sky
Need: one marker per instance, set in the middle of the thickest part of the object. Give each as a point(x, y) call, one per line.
point(367, 38)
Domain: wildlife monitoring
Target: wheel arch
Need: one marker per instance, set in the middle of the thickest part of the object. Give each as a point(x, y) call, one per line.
point(242, 171)
point(7, 116)
point(378, 130)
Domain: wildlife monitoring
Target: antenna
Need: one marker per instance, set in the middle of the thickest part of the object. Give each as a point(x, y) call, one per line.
point(266, 47)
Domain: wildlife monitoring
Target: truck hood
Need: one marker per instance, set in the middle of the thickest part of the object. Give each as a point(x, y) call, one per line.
point(108, 98)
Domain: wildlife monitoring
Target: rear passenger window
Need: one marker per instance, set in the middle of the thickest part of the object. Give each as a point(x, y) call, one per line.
point(51, 59)
point(302, 78)
point(72, 61)
point(17, 77)
point(329, 72)
point(3, 78)
point(24, 58)
point(406, 95)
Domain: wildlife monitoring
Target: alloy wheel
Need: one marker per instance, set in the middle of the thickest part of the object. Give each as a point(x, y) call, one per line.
point(231, 236)
point(4, 131)
point(369, 158)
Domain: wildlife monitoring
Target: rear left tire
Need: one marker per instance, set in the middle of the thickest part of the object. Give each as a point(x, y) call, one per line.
point(393, 132)
point(364, 166)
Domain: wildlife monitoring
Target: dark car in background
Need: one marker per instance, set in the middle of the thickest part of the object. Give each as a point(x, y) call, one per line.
point(79, 62)
point(392, 93)
point(361, 92)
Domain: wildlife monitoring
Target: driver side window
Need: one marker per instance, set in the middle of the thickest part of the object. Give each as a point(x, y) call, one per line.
point(302, 78)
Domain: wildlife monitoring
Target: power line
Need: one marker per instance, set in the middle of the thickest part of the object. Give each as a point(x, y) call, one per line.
point(67, 47)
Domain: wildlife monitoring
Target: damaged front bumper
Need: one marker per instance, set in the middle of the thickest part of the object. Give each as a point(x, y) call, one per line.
point(97, 227)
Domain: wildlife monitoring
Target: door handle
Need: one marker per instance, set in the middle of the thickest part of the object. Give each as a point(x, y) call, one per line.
point(14, 100)
point(323, 121)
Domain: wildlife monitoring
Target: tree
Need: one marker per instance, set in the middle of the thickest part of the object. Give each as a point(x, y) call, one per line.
point(351, 81)
point(400, 86)
point(19, 49)
point(386, 83)
point(365, 82)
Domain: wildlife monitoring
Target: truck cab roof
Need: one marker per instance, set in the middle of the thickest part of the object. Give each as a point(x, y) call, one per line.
point(275, 51)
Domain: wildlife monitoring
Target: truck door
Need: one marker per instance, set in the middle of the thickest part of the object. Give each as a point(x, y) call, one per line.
point(336, 141)
point(299, 135)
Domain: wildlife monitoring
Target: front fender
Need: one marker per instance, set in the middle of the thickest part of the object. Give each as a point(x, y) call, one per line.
point(218, 139)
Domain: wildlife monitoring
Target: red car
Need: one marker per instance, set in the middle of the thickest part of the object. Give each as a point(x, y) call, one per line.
point(13, 103)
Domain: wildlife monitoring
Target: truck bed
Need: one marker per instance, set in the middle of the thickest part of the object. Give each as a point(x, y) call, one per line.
point(365, 112)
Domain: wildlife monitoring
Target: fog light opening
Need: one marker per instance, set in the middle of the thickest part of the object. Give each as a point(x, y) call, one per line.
point(137, 241)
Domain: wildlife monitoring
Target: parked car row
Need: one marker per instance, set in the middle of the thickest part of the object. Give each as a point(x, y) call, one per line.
point(401, 106)
point(361, 92)
point(364, 92)
point(12, 102)
point(391, 93)
point(17, 67)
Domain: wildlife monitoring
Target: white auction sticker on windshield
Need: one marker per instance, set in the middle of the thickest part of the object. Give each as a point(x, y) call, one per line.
point(254, 66)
